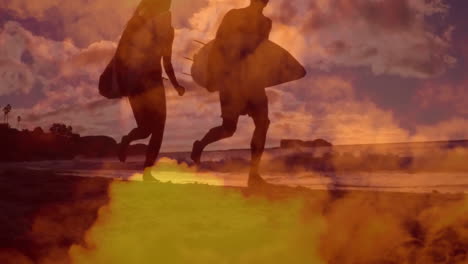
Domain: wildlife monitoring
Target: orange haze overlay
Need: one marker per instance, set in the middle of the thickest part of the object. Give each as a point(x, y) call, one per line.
point(179, 221)
point(195, 223)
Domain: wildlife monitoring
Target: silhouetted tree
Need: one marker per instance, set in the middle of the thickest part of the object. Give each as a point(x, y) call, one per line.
point(61, 130)
point(38, 131)
point(6, 111)
point(19, 121)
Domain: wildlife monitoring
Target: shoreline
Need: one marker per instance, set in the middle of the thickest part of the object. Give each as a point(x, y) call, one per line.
point(180, 173)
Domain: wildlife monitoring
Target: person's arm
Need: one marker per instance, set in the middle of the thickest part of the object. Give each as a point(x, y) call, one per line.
point(167, 61)
point(168, 68)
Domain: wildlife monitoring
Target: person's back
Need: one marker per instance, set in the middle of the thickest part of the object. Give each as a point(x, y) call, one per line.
point(145, 40)
point(239, 35)
point(241, 31)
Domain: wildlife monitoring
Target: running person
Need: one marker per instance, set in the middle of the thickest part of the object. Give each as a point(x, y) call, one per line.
point(239, 35)
point(147, 40)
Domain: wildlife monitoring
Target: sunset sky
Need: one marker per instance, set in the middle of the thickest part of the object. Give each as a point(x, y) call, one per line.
point(378, 70)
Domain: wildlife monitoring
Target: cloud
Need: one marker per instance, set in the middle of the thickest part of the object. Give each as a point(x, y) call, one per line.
point(86, 22)
point(90, 60)
point(453, 129)
point(449, 97)
point(389, 36)
point(328, 107)
point(15, 77)
point(82, 21)
point(68, 74)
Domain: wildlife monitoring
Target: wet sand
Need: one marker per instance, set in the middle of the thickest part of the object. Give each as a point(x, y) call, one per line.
point(47, 218)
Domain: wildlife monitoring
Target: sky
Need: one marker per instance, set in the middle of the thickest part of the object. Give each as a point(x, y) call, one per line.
point(379, 71)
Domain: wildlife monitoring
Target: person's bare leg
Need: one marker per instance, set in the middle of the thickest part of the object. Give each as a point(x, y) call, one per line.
point(154, 145)
point(152, 152)
point(257, 146)
point(136, 134)
point(226, 130)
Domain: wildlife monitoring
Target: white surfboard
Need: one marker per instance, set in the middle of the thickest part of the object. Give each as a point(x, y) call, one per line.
point(268, 66)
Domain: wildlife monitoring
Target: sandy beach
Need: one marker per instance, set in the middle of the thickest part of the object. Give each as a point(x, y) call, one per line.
point(50, 218)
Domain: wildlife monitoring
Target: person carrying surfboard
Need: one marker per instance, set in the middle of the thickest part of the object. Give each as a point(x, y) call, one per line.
point(240, 33)
point(146, 41)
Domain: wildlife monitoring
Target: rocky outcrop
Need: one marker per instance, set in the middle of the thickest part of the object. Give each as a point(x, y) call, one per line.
point(137, 150)
point(96, 146)
point(296, 143)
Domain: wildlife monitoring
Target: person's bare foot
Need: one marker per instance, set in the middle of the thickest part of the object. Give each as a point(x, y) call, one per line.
point(148, 176)
point(196, 152)
point(255, 181)
point(122, 154)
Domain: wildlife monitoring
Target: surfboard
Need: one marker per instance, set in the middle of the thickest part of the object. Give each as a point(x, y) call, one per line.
point(268, 66)
point(108, 82)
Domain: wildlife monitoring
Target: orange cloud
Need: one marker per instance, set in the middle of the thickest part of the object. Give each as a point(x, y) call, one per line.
point(390, 36)
point(444, 96)
point(453, 129)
